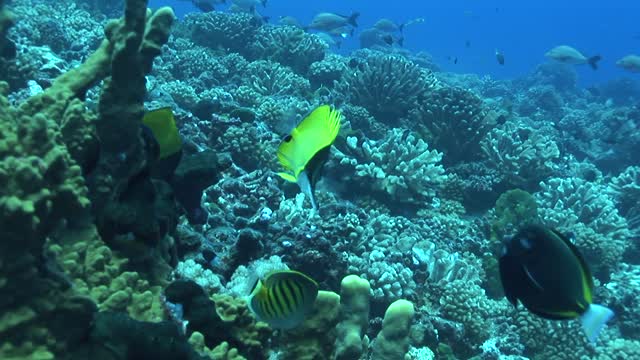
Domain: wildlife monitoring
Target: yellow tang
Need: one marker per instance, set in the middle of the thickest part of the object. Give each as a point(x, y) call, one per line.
point(283, 299)
point(162, 124)
point(303, 152)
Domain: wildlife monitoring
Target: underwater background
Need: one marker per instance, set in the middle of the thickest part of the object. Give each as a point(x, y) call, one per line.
point(145, 211)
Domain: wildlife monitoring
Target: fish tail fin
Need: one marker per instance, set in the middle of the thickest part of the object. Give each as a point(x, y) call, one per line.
point(593, 61)
point(400, 41)
point(353, 19)
point(401, 27)
point(307, 188)
point(264, 3)
point(594, 320)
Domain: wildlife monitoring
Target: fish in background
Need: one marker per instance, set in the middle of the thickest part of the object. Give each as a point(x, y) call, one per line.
point(341, 32)
point(289, 21)
point(499, 57)
point(389, 26)
point(541, 268)
point(630, 63)
point(327, 21)
point(257, 17)
point(568, 55)
point(248, 4)
point(331, 41)
point(283, 299)
point(206, 5)
point(305, 150)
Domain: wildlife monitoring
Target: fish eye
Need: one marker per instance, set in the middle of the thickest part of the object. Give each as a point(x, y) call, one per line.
point(287, 138)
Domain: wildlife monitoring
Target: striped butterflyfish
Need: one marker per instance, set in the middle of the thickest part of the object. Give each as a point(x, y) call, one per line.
point(543, 269)
point(305, 150)
point(283, 298)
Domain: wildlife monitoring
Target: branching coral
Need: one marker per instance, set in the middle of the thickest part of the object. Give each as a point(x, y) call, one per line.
point(231, 31)
point(525, 156)
point(400, 167)
point(328, 70)
point(388, 86)
point(584, 208)
point(268, 78)
point(290, 46)
point(456, 119)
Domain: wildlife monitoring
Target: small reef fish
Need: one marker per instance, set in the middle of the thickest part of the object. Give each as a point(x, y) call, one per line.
point(206, 5)
point(330, 21)
point(499, 57)
point(162, 125)
point(390, 40)
point(568, 55)
point(387, 25)
point(343, 32)
point(542, 269)
point(305, 150)
point(329, 40)
point(289, 21)
point(283, 299)
point(630, 63)
point(248, 4)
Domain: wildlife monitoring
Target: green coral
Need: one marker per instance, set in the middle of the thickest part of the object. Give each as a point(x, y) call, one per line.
point(514, 209)
point(103, 275)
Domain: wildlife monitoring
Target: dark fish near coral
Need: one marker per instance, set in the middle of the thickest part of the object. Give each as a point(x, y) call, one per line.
point(542, 269)
point(303, 152)
point(283, 299)
point(329, 21)
point(389, 26)
point(499, 57)
point(343, 32)
point(568, 55)
point(356, 64)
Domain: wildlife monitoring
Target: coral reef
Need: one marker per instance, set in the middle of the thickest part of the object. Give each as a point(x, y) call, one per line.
point(388, 86)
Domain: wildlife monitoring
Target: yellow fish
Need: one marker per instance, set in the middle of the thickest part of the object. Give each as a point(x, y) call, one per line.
point(162, 124)
point(283, 298)
point(303, 152)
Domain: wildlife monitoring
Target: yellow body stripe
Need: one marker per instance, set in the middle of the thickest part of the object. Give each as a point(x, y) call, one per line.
point(282, 301)
point(298, 294)
point(279, 312)
point(287, 296)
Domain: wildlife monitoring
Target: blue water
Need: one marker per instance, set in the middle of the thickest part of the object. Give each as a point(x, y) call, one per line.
point(522, 31)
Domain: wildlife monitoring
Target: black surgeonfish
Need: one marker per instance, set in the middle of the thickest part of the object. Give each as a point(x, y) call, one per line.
point(542, 269)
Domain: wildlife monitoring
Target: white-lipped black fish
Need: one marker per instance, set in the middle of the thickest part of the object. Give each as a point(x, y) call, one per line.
point(283, 298)
point(542, 269)
point(499, 57)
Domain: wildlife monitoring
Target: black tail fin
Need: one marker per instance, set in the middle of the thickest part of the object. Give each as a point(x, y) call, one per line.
point(353, 19)
point(593, 61)
point(264, 3)
point(401, 27)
